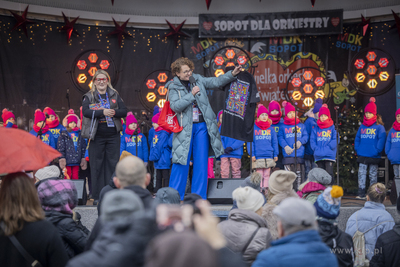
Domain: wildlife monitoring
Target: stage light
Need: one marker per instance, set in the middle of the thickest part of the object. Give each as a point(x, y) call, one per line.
point(308, 88)
point(308, 75)
point(104, 64)
point(308, 101)
point(359, 64)
point(383, 62)
point(319, 81)
point(82, 78)
point(371, 56)
point(241, 60)
point(296, 82)
point(384, 76)
point(371, 70)
point(151, 97)
point(90, 84)
point(151, 84)
point(296, 95)
point(161, 103)
point(372, 83)
point(219, 72)
point(320, 94)
point(93, 58)
point(162, 90)
point(230, 54)
point(360, 77)
point(219, 61)
point(230, 64)
point(92, 71)
point(162, 77)
point(81, 64)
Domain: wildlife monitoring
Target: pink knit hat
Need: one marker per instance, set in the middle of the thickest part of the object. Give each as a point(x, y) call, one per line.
point(324, 110)
point(274, 105)
point(155, 118)
point(7, 115)
point(371, 106)
point(71, 117)
point(49, 111)
point(39, 116)
point(398, 112)
point(288, 107)
point(261, 110)
point(130, 118)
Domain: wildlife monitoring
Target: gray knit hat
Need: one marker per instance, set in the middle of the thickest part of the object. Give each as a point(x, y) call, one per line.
point(296, 211)
point(48, 172)
point(320, 176)
point(120, 203)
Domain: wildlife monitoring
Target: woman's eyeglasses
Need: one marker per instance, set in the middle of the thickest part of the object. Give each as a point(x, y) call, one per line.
point(187, 71)
point(101, 80)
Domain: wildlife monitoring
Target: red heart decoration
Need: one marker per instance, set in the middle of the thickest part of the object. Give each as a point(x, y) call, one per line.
point(207, 25)
point(113, 100)
point(335, 21)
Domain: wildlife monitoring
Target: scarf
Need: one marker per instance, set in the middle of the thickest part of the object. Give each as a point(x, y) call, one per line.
point(275, 118)
point(369, 122)
point(288, 121)
point(105, 103)
point(326, 124)
point(130, 132)
point(54, 123)
point(396, 126)
point(44, 129)
point(162, 129)
point(263, 125)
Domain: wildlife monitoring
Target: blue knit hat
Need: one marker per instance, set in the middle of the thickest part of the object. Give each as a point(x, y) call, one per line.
point(156, 110)
point(317, 105)
point(328, 203)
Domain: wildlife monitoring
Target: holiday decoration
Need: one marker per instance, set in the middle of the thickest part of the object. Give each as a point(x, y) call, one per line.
point(22, 21)
point(69, 27)
point(176, 31)
point(208, 2)
point(397, 25)
point(364, 24)
point(120, 31)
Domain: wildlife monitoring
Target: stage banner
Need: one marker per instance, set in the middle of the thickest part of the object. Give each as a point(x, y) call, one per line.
point(259, 25)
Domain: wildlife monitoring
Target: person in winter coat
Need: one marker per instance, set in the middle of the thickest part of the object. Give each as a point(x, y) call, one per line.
point(133, 141)
point(328, 209)
point(8, 119)
point(168, 195)
point(160, 154)
point(58, 199)
point(275, 115)
point(253, 181)
point(72, 147)
point(310, 124)
point(280, 188)
point(323, 141)
point(23, 218)
point(318, 180)
point(41, 130)
point(291, 149)
point(372, 220)
point(53, 122)
point(369, 144)
point(197, 118)
point(232, 158)
point(388, 246)
point(392, 147)
point(299, 243)
point(245, 231)
point(48, 172)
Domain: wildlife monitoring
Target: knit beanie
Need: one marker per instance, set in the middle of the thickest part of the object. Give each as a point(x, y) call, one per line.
point(39, 116)
point(274, 105)
point(48, 172)
point(371, 106)
point(156, 110)
point(71, 117)
point(288, 107)
point(130, 118)
point(49, 111)
point(328, 203)
point(248, 198)
point(155, 118)
point(261, 110)
point(281, 181)
point(168, 195)
point(190, 199)
point(124, 154)
point(320, 176)
point(7, 115)
point(324, 110)
point(317, 105)
point(119, 203)
point(398, 112)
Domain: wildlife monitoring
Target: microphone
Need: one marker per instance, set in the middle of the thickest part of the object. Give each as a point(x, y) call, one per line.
point(192, 80)
point(47, 116)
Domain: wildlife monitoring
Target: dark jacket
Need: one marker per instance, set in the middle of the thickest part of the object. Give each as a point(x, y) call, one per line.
point(339, 242)
point(387, 248)
point(104, 190)
point(73, 233)
point(66, 147)
point(41, 240)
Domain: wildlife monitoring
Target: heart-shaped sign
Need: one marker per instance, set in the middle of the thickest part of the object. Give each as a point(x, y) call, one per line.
point(207, 25)
point(335, 21)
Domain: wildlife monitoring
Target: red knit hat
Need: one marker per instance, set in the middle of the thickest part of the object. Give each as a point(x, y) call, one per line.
point(288, 107)
point(39, 116)
point(261, 110)
point(273, 105)
point(398, 112)
point(71, 117)
point(130, 118)
point(371, 106)
point(49, 111)
point(324, 110)
point(6, 115)
point(156, 117)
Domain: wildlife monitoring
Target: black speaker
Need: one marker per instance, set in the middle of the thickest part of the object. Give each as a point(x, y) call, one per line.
point(220, 190)
point(80, 188)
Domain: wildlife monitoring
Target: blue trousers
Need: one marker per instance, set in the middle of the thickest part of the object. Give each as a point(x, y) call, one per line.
point(199, 144)
point(362, 175)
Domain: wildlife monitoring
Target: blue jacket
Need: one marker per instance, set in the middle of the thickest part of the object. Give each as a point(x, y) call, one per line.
point(56, 131)
point(47, 138)
point(265, 143)
point(372, 214)
point(129, 144)
point(310, 124)
point(286, 138)
point(304, 248)
point(370, 141)
point(160, 150)
point(277, 126)
point(323, 143)
point(72, 147)
point(151, 135)
point(235, 144)
point(392, 147)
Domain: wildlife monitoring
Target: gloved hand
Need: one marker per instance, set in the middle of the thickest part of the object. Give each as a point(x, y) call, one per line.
point(298, 144)
point(228, 150)
point(62, 163)
point(288, 150)
point(83, 164)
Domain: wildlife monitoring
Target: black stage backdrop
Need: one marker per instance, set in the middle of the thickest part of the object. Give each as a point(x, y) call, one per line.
point(37, 71)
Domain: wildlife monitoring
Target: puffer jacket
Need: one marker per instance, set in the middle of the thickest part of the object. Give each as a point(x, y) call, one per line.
point(246, 232)
point(67, 149)
point(372, 214)
point(388, 246)
point(73, 233)
point(181, 102)
point(310, 191)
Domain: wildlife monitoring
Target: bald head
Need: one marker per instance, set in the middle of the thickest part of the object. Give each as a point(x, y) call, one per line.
point(131, 171)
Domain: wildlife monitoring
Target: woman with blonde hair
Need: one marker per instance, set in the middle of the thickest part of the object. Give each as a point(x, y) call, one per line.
point(102, 110)
point(22, 221)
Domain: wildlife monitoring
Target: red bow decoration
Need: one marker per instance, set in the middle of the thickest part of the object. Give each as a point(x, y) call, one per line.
point(120, 31)
point(397, 25)
point(69, 27)
point(208, 2)
point(22, 21)
point(364, 24)
point(176, 31)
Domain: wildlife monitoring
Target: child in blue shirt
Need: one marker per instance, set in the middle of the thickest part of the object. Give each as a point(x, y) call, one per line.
point(275, 115)
point(54, 124)
point(43, 132)
point(392, 147)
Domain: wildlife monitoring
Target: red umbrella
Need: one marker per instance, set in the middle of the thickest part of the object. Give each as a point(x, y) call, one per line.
point(22, 151)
